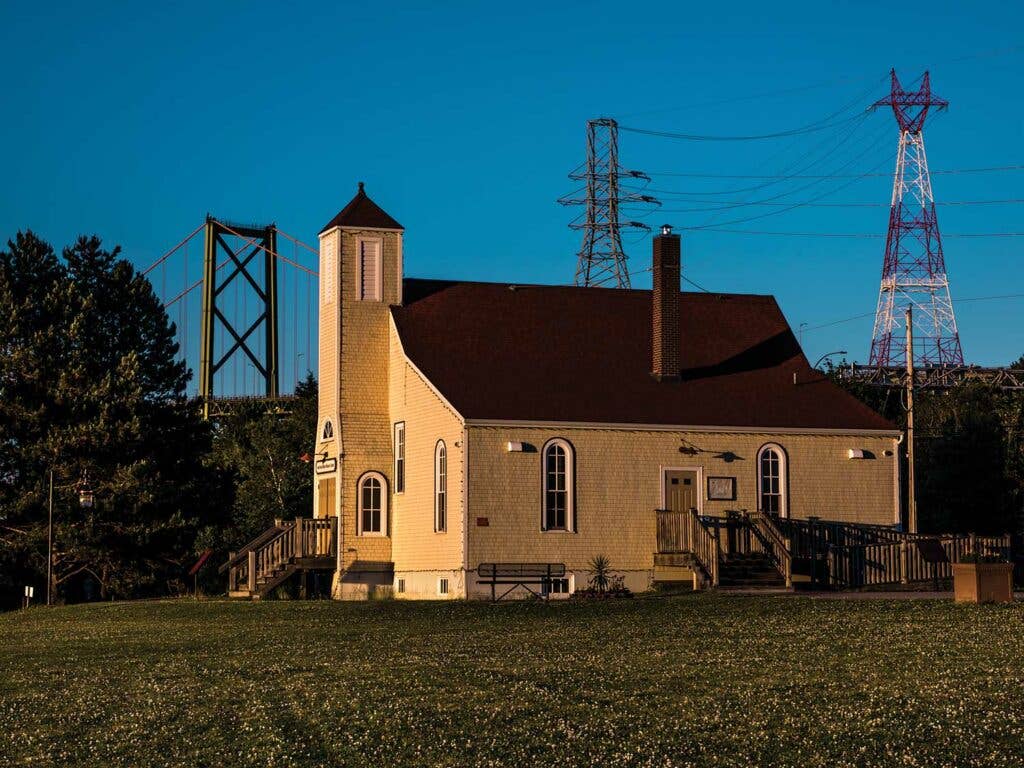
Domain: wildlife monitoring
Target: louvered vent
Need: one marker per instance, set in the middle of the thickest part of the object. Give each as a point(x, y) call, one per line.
point(369, 270)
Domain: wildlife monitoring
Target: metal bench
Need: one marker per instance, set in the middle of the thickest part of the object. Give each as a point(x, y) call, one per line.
point(519, 575)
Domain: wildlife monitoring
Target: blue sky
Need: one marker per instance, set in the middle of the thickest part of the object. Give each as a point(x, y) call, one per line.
point(133, 121)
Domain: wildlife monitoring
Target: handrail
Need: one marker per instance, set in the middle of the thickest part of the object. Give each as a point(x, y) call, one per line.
point(767, 529)
point(681, 532)
point(280, 546)
point(704, 545)
point(256, 543)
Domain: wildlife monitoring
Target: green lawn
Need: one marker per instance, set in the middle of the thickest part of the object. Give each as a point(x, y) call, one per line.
point(689, 680)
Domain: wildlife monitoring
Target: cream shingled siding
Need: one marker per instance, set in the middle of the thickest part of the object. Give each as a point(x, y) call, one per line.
point(327, 376)
point(618, 486)
point(363, 427)
point(422, 556)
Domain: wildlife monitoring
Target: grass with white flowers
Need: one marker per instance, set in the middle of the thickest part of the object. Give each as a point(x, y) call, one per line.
point(689, 680)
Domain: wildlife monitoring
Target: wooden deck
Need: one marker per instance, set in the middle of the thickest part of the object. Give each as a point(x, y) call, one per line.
point(830, 554)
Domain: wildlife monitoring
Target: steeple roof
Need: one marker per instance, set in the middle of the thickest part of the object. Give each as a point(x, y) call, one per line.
point(361, 211)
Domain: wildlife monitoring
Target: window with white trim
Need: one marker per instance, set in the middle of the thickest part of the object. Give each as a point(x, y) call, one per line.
point(328, 431)
point(563, 586)
point(440, 487)
point(400, 587)
point(400, 457)
point(558, 487)
point(370, 277)
point(372, 503)
point(442, 586)
point(772, 480)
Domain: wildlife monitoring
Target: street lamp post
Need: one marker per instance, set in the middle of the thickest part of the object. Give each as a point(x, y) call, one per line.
point(828, 354)
point(49, 547)
point(85, 501)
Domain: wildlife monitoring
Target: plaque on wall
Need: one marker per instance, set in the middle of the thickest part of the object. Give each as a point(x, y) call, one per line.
point(721, 489)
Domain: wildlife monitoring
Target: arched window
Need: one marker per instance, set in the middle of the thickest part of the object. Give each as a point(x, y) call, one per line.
point(440, 487)
point(558, 486)
point(772, 481)
point(328, 433)
point(372, 501)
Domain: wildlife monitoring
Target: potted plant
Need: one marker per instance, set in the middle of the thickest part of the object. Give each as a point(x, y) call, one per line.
point(981, 578)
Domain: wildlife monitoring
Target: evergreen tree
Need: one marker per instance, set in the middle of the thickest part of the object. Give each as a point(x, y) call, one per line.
point(34, 317)
point(96, 392)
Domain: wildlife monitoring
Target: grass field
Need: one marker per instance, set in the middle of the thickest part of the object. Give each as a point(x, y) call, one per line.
point(689, 680)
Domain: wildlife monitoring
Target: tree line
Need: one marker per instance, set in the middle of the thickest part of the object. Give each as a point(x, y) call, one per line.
point(969, 444)
point(93, 394)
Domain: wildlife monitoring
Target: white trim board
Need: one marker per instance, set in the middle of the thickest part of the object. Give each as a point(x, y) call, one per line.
point(707, 428)
point(663, 470)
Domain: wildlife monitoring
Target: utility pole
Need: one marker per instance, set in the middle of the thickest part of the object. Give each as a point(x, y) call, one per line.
point(911, 494)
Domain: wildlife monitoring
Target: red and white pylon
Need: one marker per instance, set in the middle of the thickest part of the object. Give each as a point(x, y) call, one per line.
point(914, 269)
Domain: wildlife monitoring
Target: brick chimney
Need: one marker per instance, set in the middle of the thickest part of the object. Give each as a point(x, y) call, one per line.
point(665, 360)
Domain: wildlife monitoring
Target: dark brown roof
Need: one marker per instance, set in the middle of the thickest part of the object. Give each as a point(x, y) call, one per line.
point(361, 211)
point(551, 353)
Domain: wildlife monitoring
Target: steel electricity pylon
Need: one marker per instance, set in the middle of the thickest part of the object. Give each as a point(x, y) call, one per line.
point(914, 270)
point(602, 259)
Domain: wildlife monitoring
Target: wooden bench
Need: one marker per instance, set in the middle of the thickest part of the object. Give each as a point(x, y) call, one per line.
point(519, 575)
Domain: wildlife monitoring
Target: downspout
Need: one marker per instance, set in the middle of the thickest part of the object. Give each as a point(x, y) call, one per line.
point(897, 479)
point(465, 509)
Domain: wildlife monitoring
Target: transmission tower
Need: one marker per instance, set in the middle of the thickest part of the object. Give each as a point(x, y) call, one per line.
point(914, 271)
point(602, 259)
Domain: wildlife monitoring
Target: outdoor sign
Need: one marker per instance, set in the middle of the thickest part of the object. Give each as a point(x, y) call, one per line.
point(326, 466)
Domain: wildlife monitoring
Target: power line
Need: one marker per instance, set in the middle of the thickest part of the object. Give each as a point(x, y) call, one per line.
point(811, 128)
point(861, 316)
point(727, 204)
point(801, 167)
point(991, 169)
point(750, 97)
point(823, 124)
point(793, 206)
point(874, 235)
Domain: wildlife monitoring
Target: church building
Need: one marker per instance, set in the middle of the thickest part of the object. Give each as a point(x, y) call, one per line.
point(465, 423)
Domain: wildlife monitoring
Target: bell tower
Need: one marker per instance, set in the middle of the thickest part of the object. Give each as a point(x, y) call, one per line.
point(360, 278)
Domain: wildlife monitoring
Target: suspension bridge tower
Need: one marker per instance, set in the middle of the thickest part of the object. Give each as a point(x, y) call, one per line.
point(914, 269)
point(602, 259)
point(257, 242)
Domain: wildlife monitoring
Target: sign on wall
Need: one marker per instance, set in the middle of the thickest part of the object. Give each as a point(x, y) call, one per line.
point(326, 466)
point(722, 489)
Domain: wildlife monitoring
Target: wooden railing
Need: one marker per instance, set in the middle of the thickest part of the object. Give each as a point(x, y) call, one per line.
point(901, 561)
point(279, 547)
point(856, 555)
point(685, 532)
point(774, 544)
point(812, 537)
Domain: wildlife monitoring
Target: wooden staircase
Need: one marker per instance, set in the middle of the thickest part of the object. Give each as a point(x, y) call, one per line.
point(742, 550)
point(751, 570)
point(277, 554)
